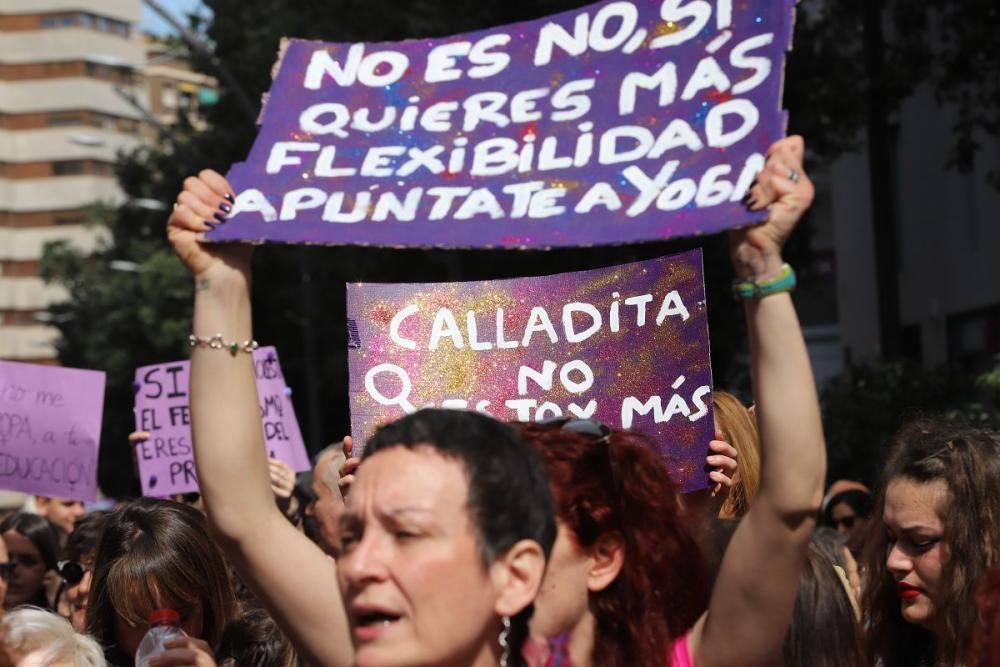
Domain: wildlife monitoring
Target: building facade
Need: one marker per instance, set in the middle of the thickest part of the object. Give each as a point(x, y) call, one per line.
point(64, 67)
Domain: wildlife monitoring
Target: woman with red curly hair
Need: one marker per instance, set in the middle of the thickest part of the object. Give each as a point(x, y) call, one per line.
point(623, 586)
point(645, 584)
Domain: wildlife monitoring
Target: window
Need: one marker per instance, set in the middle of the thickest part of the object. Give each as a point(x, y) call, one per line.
point(50, 22)
point(87, 20)
point(64, 119)
point(67, 20)
point(101, 23)
point(68, 168)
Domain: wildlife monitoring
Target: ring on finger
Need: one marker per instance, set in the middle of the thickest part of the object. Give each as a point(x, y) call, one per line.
point(793, 175)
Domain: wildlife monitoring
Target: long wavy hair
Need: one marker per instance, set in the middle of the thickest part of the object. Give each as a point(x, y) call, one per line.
point(620, 485)
point(156, 553)
point(739, 428)
point(986, 641)
point(967, 460)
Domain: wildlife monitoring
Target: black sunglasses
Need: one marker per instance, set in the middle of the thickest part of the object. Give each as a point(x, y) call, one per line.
point(71, 571)
point(587, 427)
point(7, 569)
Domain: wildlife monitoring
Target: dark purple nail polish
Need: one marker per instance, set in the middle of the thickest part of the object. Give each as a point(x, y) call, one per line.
point(226, 208)
point(220, 217)
point(230, 197)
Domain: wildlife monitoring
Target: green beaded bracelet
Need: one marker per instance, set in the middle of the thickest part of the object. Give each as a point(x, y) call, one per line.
point(752, 289)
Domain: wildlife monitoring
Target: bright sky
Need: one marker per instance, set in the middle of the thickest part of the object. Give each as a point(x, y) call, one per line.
point(151, 21)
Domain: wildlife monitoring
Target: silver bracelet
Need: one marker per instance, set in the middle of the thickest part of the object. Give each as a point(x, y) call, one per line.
point(216, 342)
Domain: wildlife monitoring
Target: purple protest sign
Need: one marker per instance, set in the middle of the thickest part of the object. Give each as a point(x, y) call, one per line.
point(626, 345)
point(50, 430)
point(614, 123)
point(166, 463)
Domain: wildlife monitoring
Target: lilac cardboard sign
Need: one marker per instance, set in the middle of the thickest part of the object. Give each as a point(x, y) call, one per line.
point(626, 345)
point(50, 430)
point(614, 123)
point(166, 463)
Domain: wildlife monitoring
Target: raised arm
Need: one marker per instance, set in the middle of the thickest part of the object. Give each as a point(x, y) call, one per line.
point(292, 577)
point(754, 594)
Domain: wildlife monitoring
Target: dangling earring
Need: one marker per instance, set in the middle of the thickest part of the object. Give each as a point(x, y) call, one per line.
point(504, 641)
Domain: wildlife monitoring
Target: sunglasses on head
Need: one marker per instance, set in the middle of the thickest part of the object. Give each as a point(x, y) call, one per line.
point(582, 426)
point(72, 572)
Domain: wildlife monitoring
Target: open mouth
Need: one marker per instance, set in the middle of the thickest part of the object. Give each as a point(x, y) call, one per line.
point(372, 623)
point(374, 619)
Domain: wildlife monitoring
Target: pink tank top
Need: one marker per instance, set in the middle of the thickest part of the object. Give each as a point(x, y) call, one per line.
point(680, 654)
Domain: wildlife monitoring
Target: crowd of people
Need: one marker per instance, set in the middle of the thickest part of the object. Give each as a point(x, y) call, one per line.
point(458, 540)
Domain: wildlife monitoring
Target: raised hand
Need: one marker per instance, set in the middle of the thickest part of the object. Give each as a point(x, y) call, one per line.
point(205, 201)
point(282, 479)
point(782, 188)
point(722, 463)
point(348, 468)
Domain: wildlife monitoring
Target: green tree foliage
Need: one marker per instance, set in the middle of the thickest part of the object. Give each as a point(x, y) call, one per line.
point(866, 405)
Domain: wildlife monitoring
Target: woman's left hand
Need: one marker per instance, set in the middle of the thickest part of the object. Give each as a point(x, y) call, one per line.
point(282, 479)
point(187, 652)
point(722, 463)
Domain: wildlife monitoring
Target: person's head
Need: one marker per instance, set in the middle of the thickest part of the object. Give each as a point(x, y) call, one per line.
point(327, 503)
point(76, 568)
point(739, 429)
point(157, 554)
point(824, 631)
point(443, 541)
point(833, 546)
point(38, 638)
point(62, 512)
point(32, 544)
point(986, 640)
point(940, 510)
point(848, 512)
point(254, 640)
point(624, 570)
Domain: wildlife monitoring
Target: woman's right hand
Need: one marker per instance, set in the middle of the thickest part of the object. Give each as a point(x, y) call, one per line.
point(205, 201)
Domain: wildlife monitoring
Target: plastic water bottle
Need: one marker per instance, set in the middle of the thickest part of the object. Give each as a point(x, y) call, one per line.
point(164, 626)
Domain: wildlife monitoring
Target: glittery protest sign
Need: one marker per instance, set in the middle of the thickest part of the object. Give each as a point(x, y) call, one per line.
point(50, 430)
point(166, 460)
point(625, 345)
point(614, 123)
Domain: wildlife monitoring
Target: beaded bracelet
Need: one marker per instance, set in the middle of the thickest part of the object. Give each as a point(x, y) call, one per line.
point(752, 289)
point(216, 342)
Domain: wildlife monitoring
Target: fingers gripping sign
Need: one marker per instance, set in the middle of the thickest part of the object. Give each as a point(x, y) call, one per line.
point(205, 202)
point(785, 191)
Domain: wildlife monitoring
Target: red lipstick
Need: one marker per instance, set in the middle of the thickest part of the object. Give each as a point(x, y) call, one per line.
point(908, 591)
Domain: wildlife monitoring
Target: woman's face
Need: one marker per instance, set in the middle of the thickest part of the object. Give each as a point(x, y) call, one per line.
point(410, 570)
point(563, 601)
point(129, 636)
point(849, 524)
point(76, 595)
point(915, 551)
point(29, 575)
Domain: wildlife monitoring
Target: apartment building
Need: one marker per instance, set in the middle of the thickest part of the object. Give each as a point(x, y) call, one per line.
point(66, 70)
